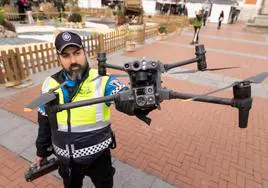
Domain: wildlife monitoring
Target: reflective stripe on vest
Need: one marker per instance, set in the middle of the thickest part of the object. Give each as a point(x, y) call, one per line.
point(86, 118)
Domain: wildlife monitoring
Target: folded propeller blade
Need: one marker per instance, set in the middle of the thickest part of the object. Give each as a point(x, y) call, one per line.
point(259, 78)
point(194, 71)
point(209, 93)
point(43, 99)
point(115, 75)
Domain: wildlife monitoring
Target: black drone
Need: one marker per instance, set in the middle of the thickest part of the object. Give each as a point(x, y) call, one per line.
point(147, 93)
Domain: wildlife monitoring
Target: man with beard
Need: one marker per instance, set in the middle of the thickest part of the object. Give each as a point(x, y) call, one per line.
point(82, 137)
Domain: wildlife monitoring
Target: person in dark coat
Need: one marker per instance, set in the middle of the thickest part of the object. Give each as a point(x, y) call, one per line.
point(205, 17)
point(221, 17)
point(21, 9)
point(28, 9)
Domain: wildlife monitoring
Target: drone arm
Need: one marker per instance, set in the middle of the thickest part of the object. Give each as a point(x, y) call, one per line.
point(179, 64)
point(124, 95)
point(114, 66)
point(59, 108)
point(102, 65)
point(242, 104)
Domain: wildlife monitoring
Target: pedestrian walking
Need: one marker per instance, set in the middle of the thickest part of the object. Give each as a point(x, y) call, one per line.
point(81, 138)
point(221, 17)
point(21, 10)
point(205, 16)
point(197, 23)
point(28, 9)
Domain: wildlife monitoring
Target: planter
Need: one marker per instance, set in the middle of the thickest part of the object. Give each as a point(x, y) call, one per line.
point(64, 20)
point(40, 22)
point(130, 46)
point(161, 36)
point(75, 25)
point(178, 30)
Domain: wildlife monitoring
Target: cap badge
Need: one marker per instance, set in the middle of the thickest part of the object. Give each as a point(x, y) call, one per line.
point(66, 36)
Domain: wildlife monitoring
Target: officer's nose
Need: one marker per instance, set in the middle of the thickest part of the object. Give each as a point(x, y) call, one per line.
point(72, 59)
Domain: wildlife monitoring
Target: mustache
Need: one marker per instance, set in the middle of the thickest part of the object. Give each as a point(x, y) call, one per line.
point(75, 66)
point(76, 71)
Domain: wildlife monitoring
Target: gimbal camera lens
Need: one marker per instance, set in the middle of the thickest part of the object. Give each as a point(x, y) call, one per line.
point(150, 90)
point(141, 101)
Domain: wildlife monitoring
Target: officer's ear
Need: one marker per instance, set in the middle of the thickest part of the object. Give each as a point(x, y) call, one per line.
point(87, 57)
point(58, 57)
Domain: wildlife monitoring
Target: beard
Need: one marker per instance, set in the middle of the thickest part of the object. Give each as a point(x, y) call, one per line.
point(76, 71)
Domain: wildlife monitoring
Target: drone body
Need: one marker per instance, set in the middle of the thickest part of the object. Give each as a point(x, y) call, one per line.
point(146, 91)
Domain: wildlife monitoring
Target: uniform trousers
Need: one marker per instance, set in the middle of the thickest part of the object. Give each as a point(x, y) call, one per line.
point(100, 171)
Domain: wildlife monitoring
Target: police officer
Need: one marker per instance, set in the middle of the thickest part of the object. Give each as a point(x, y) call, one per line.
point(82, 136)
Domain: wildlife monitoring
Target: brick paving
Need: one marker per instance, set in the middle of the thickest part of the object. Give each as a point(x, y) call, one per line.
point(12, 168)
point(189, 144)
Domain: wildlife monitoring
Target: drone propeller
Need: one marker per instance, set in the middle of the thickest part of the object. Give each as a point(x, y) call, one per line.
point(43, 99)
point(194, 71)
point(49, 96)
point(254, 79)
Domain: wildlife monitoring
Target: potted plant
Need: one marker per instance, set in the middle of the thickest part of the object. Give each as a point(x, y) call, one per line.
point(40, 18)
point(150, 18)
point(75, 20)
point(162, 32)
point(114, 13)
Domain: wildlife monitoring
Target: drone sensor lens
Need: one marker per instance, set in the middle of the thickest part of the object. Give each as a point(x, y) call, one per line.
point(136, 65)
point(126, 65)
point(150, 90)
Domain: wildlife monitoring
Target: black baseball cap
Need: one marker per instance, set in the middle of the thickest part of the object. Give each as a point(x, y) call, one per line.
point(67, 38)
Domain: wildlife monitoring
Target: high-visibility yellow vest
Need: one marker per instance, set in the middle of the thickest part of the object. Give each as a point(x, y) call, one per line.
point(86, 118)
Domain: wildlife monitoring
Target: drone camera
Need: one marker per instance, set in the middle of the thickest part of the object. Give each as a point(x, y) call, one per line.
point(145, 96)
point(140, 65)
point(143, 76)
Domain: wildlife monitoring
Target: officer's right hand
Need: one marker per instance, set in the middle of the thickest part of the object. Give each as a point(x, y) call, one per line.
point(39, 160)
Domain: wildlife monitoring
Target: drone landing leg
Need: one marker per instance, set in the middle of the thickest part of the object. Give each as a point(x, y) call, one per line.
point(144, 119)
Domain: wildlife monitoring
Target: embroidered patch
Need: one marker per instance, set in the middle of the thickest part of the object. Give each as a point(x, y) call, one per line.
point(66, 36)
